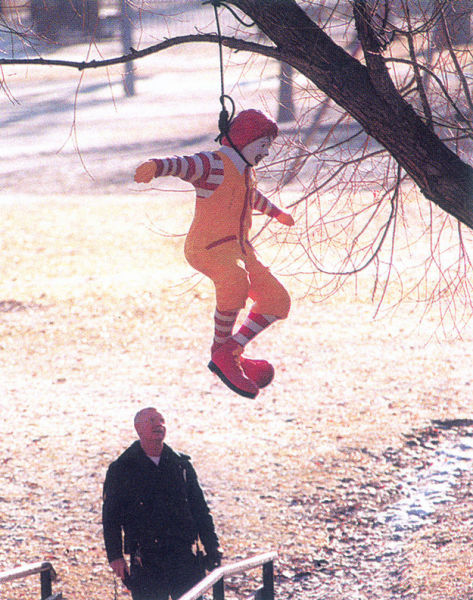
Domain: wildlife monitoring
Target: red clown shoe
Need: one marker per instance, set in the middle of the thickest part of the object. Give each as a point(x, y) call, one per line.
point(226, 364)
point(259, 371)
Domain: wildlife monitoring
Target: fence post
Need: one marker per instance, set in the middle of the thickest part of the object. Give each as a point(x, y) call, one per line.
point(218, 590)
point(46, 589)
point(268, 580)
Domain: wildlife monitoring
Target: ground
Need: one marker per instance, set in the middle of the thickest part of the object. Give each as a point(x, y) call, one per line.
point(101, 316)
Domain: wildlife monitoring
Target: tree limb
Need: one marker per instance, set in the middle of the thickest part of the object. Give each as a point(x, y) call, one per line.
point(229, 42)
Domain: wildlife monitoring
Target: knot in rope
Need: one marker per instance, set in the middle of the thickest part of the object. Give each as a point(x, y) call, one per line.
point(225, 119)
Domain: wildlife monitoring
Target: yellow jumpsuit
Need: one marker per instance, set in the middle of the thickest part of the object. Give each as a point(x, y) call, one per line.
point(217, 245)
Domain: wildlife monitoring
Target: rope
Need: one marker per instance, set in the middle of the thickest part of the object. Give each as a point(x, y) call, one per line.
point(225, 119)
point(218, 3)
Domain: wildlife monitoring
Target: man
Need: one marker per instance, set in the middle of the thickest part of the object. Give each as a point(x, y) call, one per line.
point(152, 498)
point(218, 243)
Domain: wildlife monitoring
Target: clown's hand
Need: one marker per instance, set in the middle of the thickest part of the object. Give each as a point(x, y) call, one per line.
point(145, 172)
point(285, 219)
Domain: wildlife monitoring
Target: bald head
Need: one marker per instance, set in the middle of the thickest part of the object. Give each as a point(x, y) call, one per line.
point(143, 415)
point(151, 429)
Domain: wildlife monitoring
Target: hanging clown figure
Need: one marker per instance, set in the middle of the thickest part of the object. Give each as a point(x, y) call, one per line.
point(217, 244)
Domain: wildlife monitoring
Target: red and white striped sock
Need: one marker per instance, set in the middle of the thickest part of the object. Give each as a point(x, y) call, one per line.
point(224, 323)
point(252, 326)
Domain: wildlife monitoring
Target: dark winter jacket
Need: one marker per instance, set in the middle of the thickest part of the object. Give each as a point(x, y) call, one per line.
point(159, 507)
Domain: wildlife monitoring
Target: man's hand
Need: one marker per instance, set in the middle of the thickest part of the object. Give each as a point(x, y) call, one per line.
point(285, 219)
point(145, 172)
point(120, 568)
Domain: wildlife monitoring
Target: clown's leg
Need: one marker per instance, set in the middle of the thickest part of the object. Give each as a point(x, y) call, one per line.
point(271, 303)
point(224, 266)
point(224, 321)
point(254, 324)
point(260, 372)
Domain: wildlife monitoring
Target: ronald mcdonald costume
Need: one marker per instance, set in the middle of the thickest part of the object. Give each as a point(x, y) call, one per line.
point(218, 245)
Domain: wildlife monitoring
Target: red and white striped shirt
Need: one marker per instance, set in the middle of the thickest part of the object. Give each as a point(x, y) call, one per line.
point(205, 171)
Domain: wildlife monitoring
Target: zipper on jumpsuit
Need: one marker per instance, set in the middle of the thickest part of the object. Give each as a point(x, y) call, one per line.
point(246, 202)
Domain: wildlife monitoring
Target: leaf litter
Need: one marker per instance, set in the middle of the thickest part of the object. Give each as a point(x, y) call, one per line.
point(100, 316)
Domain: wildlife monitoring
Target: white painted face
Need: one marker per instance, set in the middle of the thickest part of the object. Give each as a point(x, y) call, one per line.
point(257, 150)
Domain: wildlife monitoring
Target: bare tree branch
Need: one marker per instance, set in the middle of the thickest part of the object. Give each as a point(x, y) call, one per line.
point(229, 42)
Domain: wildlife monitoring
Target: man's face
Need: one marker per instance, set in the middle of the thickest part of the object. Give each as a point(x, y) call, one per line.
point(257, 150)
point(151, 426)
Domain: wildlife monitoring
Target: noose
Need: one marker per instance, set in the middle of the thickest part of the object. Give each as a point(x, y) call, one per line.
point(225, 118)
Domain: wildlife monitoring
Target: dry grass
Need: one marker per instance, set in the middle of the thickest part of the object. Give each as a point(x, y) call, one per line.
point(101, 316)
point(106, 321)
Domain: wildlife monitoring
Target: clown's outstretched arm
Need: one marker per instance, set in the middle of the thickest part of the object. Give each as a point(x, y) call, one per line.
point(200, 168)
point(263, 205)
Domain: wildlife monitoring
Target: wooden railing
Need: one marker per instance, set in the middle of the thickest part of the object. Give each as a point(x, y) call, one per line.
point(47, 576)
point(216, 579)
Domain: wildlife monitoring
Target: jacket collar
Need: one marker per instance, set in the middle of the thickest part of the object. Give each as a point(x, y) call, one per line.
point(136, 452)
